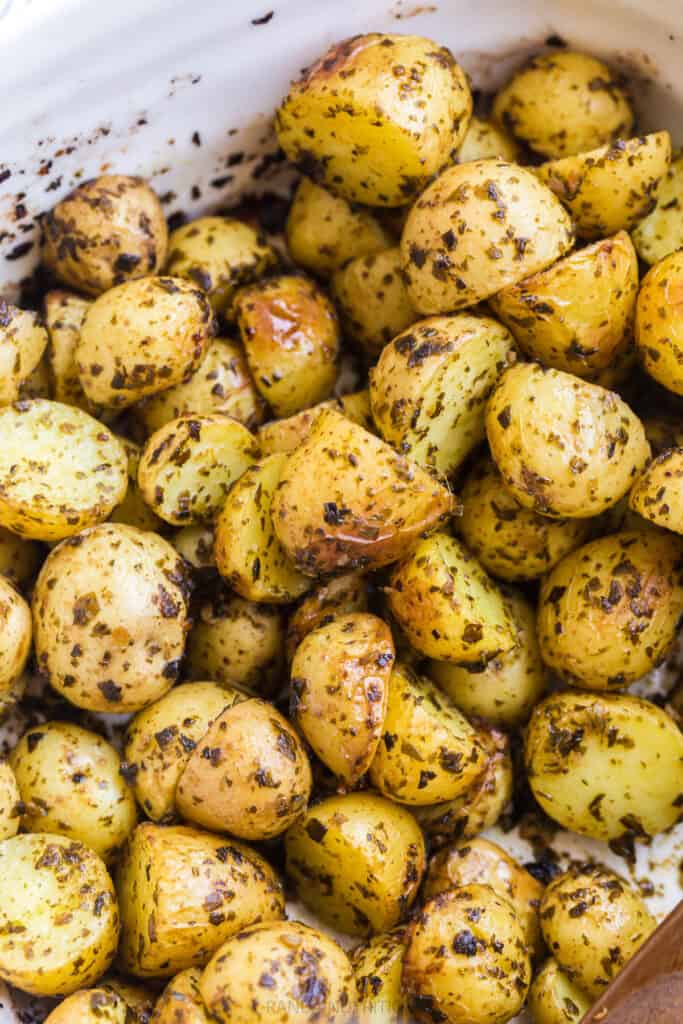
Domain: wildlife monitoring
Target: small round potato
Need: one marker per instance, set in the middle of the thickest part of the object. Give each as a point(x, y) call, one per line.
point(507, 688)
point(22, 342)
point(138, 998)
point(657, 494)
point(283, 973)
point(188, 466)
point(593, 923)
point(71, 784)
point(60, 470)
point(10, 802)
point(222, 384)
point(430, 386)
point(563, 103)
point(340, 687)
point(663, 433)
point(161, 738)
point(59, 922)
point(248, 554)
point(611, 188)
point(110, 617)
point(578, 314)
point(466, 960)
point(373, 299)
point(195, 544)
point(429, 752)
point(659, 335)
point(357, 862)
point(183, 892)
point(19, 559)
point(447, 606)
point(377, 968)
point(606, 766)
point(478, 228)
point(661, 232)
point(249, 775)
point(181, 1001)
point(481, 862)
point(376, 117)
point(91, 1006)
point(335, 597)
point(485, 140)
point(134, 510)
point(564, 447)
point(108, 230)
point(141, 338)
point(64, 316)
point(218, 255)
point(609, 612)
point(324, 231)
point(237, 642)
point(16, 632)
point(555, 999)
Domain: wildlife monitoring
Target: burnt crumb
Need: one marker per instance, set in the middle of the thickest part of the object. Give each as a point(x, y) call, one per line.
point(556, 41)
point(18, 251)
point(4, 175)
point(196, 139)
point(264, 19)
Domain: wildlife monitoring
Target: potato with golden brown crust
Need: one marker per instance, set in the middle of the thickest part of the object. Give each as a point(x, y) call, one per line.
point(327, 601)
point(661, 232)
point(659, 338)
point(181, 1001)
point(23, 339)
point(64, 316)
point(554, 998)
point(91, 1006)
point(484, 140)
point(372, 298)
point(287, 434)
point(10, 802)
point(16, 631)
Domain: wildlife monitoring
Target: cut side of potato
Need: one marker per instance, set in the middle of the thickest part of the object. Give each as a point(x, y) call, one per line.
point(661, 232)
point(555, 999)
point(657, 494)
point(659, 335)
point(22, 342)
point(64, 316)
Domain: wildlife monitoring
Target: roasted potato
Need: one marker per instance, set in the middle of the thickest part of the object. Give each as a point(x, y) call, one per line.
point(91, 1006)
point(657, 495)
point(357, 862)
point(283, 973)
point(285, 435)
point(138, 998)
point(22, 343)
point(249, 775)
point(554, 998)
point(659, 336)
point(564, 447)
point(430, 386)
point(64, 316)
point(376, 117)
point(110, 617)
point(195, 544)
point(188, 466)
point(346, 500)
point(609, 612)
point(484, 140)
point(141, 338)
point(108, 230)
point(466, 960)
point(663, 432)
point(661, 232)
point(607, 766)
point(447, 606)
point(339, 596)
point(593, 923)
point(183, 892)
point(340, 686)
point(134, 510)
point(506, 689)
point(60, 470)
point(16, 631)
point(372, 298)
point(377, 968)
point(57, 896)
point(10, 802)
point(71, 784)
point(19, 558)
point(181, 1001)
point(478, 228)
point(610, 188)
point(218, 255)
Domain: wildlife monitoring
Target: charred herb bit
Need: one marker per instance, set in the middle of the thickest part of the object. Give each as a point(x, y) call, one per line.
point(316, 830)
point(110, 691)
point(333, 515)
point(504, 417)
point(465, 943)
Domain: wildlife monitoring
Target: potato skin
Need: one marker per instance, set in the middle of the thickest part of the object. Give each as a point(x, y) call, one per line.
point(609, 612)
point(141, 338)
point(19, 558)
point(593, 922)
point(564, 447)
point(661, 232)
point(61, 893)
point(16, 632)
point(454, 969)
point(10, 802)
point(340, 687)
point(656, 494)
point(182, 892)
point(478, 228)
point(287, 434)
point(194, 543)
point(90, 1006)
point(659, 337)
point(328, 600)
point(484, 140)
point(110, 617)
point(181, 1001)
point(109, 230)
point(64, 316)
point(309, 977)
point(377, 968)
point(372, 298)
point(554, 998)
point(22, 342)
point(357, 862)
point(138, 999)
point(376, 117)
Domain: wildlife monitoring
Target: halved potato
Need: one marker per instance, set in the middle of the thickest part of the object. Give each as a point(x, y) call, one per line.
point(555, 999)
point(64, 316)
point(373, 299)
point(338, 596)
point(377, 967)
point(287, 434)
point(657, 494)
point(181, 1001)
point(22, 342)
point(486, 139)
point(659, 315)
point(195, 544)
point(91, 1006)
point(661, 232)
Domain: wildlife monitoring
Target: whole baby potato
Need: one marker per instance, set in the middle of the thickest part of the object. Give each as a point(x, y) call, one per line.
point(593, 923)
point(60, 896)
point(578, 314)
point(609, 612)
point(657, 495)
point(283, 973)
point(486, 139)
point(338, 596)
point(91, 1006)
point(249, 776)
point(10, 802)
point(181, 1001)
point(554, 998)
point(373, 299)
point(564, 102)
point(218, 255)
point(429, 388)
point(357, 862)
point(661, 232)
point(110, 617)
point(429, 752)
point(141, 338)
point(478, 228)
point(16, 631)
point(60, 470)
point(194, 543)
point(108, 230)
point(447, 606)
point(19, 558)
point(606, 766)
point(466, 960)
point(64, 316)
point(564, 447)
point(611, 188)
point(659, 337)
point(182, 892)
point(22, 343)
point(71, 784)
point(340, 685)
point(377, 968)
point(376, 116)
